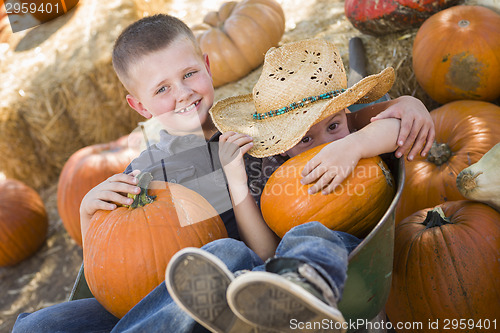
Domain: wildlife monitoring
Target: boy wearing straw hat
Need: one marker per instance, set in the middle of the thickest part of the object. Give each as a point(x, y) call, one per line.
point(298, 103)
point(159, 61)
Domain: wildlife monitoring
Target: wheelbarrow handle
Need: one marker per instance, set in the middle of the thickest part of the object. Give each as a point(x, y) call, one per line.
point(357, 61)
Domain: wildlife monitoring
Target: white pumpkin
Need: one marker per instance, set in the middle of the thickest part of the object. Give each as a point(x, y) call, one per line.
point(481, 180)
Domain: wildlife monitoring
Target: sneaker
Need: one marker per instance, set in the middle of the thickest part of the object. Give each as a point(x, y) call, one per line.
point(285, 303)
point(197, 281)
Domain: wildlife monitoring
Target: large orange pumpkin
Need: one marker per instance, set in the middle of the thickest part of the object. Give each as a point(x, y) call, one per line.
point(447, 269)
point(237, 37)
point(465, 131)
point(23, 222)
point(85, 169)
point(456, 54)
point(354, 207)
point(126, 250)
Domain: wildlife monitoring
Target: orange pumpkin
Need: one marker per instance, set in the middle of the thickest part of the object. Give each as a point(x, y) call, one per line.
point(465, 131)
point(354, 207)
point(5, 29)
point(23, 222)
point(446, 267)
point(237, 37)
point(85, 169)
point(456, 54)
point(3, 13)
point(126, 250)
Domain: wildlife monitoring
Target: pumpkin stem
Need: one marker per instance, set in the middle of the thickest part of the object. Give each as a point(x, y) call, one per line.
point(439, 153)
point(142, 199)
point(435, 218)
point(466, 181)
point(387, 173)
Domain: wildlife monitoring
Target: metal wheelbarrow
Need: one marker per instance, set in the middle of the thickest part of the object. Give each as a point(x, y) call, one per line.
point(369, 274)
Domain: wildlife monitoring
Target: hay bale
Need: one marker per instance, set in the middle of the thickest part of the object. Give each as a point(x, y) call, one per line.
point(396, 50)
point(58, 90)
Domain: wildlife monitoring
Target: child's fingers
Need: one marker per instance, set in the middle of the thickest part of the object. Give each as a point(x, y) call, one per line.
point(232, 151)
point(114, 197)
point(237, 151)
point(313, 175)
point(332, 186)
point(240, 139)
point(429, 141)
point(409, 141)
point(108, 200)
point(245, 148)
point(405, 130)
point(119, 183)
point(225, 136)
point(419, 143)
point(123, 188)
point(309, 167)
point(232, 136)
point(322, 182)
point(234, 143)
point(390, 112)
point(135, 173)
point(103, 205)
point(122, 178)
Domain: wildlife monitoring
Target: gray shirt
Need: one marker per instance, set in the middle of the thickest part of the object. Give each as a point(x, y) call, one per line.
point(194, 163)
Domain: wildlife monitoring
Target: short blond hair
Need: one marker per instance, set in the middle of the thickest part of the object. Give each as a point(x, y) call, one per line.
point(145, 36)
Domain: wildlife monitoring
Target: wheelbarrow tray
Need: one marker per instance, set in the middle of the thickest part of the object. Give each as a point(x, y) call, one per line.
point(369, 274)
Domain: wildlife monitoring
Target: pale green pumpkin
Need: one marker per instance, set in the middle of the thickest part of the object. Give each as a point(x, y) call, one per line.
point(481, 180)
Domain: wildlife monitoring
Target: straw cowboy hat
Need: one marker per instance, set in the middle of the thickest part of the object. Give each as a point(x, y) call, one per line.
point(301, 84)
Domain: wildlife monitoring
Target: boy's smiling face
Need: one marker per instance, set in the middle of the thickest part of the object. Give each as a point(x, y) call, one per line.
point(329, 129)
point(174, 84)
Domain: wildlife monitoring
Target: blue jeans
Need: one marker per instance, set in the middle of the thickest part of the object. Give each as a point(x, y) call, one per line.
point(322, 248)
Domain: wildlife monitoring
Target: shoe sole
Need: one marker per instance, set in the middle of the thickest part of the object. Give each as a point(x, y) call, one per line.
point(271, 301)
point(197, 281)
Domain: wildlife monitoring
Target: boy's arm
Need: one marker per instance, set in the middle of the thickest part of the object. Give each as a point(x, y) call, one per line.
point(417, 128)
point(251, 225)
point(106, 196)
point(338, 159)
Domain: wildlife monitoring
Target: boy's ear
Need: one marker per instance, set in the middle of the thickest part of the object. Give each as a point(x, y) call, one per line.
point(207, 63)
point(137, 106)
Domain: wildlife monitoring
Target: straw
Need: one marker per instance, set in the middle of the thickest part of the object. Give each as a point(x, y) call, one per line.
point(59, 92)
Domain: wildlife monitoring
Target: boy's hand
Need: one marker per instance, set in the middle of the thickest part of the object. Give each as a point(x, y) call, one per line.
point(417, 128)
point(331, 165)
point(232, 147)
point(110, 193)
